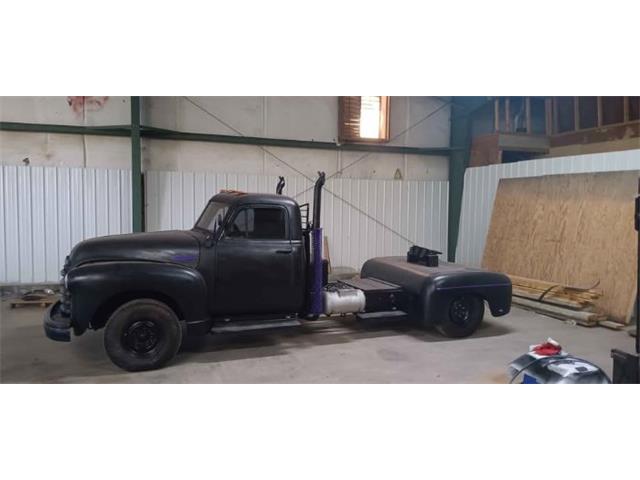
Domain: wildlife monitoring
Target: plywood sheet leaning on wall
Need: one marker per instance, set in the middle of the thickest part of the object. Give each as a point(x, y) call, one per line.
point(571, 229)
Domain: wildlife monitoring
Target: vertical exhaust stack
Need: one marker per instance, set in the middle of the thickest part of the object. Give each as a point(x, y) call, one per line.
point(317, 199)
point(316, 240)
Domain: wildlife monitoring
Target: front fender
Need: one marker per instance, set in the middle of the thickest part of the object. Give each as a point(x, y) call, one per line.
point(94, 285)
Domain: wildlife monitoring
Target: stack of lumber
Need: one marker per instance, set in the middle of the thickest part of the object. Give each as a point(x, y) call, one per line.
point(565, 302)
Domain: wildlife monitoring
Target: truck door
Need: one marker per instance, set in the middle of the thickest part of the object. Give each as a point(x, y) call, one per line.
point(255, 264)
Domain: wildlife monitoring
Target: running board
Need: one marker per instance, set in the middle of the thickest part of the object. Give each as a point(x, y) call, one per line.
point(243, 326)
point(395, 314)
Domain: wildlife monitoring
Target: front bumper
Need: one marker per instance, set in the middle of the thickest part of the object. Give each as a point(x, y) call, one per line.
point(56, 326)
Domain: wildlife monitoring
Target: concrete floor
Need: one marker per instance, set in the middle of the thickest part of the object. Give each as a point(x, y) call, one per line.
point(326, 351)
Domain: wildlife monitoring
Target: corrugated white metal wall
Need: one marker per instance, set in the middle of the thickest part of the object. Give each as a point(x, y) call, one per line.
point(415, 212)
point(47, 210)
point(481, 183)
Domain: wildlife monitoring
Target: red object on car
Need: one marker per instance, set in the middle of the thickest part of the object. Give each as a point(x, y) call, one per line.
point(547, 349)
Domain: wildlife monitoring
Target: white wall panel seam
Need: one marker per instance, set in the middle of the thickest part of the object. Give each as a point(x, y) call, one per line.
point(3, 234)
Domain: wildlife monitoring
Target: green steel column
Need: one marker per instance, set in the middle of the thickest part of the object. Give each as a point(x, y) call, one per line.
point(458, 162)
point(136, 166)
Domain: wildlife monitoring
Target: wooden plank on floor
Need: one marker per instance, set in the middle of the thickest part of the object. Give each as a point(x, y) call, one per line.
point(562, 302)
point(611, 325)
point(558, 312)
point(44, 302)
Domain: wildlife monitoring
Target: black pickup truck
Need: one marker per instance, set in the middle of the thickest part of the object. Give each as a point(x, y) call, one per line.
point(252, 261)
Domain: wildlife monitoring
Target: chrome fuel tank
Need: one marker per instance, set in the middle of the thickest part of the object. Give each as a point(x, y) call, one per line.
point(343, 300)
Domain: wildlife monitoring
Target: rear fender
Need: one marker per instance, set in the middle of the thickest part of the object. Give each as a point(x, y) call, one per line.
point(494, 288)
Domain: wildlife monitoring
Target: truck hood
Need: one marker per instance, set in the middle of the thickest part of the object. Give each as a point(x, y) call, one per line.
point(174, 246)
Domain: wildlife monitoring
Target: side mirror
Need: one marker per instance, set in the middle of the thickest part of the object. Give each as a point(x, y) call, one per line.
point(208, 241)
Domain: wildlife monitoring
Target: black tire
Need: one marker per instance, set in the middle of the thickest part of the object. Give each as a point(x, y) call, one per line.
point(142, 334)
point(463, 317)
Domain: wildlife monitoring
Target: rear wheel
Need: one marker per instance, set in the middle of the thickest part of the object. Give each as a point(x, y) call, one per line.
point(463, 317)
point(142, 334)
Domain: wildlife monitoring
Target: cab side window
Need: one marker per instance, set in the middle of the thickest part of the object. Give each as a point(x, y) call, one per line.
point(259, 223)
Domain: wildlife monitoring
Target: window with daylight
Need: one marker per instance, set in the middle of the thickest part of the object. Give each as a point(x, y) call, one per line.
point(363, 119)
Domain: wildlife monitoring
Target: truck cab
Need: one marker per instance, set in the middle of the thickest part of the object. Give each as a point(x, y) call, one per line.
point(251, 261)
point(252, 255)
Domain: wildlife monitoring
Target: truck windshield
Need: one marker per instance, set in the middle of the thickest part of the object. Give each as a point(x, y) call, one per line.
point(212, 216)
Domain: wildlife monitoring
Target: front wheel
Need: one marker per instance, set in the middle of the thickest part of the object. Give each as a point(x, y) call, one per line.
point(463, 317)
point(142, 334)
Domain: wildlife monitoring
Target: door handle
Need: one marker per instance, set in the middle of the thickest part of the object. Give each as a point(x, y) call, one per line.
point(284, 251)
